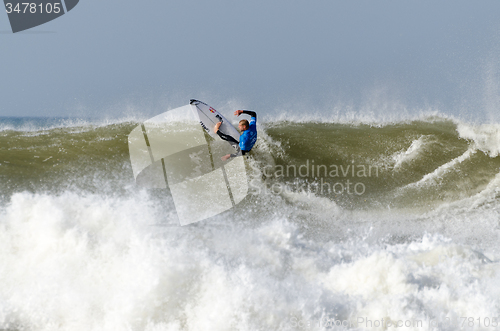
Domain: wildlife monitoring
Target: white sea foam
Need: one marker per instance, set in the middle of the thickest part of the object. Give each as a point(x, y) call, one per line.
point(73, 262)
point(339, 113)
point(413, 152)
point(437, 175)
point(486, 137)
point(348, 115)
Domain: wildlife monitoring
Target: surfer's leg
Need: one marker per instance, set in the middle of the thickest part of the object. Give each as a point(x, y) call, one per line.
point(238, 153)
point(227, 138)
point(231, 142)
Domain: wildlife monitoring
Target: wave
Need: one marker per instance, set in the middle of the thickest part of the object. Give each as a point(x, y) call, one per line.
point(356, 166)
point(41, 125)
point(83, 248)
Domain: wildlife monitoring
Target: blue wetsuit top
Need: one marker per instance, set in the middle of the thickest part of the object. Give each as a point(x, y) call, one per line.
point(249, 137)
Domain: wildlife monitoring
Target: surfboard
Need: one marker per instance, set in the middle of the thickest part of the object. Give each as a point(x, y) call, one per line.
point(209, 117)
point(171, 150)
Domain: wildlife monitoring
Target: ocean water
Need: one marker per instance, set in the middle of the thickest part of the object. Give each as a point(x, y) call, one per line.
point(348, 225)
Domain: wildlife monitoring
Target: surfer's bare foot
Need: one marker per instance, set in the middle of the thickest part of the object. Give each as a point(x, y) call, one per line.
point(225, 157)
point(217, 126)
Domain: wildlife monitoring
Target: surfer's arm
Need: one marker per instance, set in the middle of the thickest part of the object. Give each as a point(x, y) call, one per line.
point(248, 112)
point(251, 113)
point(217, 126)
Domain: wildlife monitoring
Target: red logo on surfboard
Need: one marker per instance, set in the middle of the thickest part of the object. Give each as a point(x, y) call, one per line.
point(212, 110)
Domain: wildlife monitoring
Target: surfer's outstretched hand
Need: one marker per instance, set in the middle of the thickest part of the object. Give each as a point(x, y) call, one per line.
point(225, 157)
point(238, 112)
point(217, 126)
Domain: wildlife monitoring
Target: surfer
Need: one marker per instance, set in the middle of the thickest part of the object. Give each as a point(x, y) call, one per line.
point(248, 134)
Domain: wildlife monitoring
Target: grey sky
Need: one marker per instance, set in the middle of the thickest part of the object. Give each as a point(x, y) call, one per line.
point(112, 57)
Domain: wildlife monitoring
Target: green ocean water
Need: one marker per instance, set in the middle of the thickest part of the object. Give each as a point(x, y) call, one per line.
point(86, 157)
point(411, 164)
point(415, 164)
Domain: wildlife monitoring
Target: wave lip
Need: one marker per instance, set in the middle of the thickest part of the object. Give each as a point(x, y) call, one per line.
point(486, 137)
